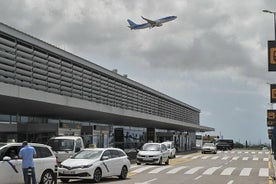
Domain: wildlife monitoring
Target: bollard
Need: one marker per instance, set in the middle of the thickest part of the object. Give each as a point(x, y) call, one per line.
point(29, 175)
point(56, 174)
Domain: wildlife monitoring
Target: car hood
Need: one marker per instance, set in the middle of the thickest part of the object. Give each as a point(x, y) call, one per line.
point(78, 162)
point(210, 147)
point(149, 152)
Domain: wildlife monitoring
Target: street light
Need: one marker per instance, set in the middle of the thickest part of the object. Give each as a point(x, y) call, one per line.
point(273, 12)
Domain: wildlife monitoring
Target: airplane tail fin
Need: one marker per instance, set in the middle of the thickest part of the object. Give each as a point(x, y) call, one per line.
point(131, 24)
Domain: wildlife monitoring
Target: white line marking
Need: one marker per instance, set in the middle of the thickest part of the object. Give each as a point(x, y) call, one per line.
point(157, 170)
point(193, 170)
point(228, 171)
point(263, 172)
point(211, 170)
point(245, 158)
point(230, 182)
point(143, 169)
point(245, 171)
point(175, 170)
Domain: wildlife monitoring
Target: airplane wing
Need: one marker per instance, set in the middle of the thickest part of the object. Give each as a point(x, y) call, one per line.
point(153, 23)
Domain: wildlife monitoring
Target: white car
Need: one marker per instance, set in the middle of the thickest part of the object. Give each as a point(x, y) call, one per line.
point(171, 148)
point(95, 163)
point(11, 166)
point(155, 153)
point(209, 147)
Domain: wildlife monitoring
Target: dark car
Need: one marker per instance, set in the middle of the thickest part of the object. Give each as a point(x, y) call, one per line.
point(223, 146)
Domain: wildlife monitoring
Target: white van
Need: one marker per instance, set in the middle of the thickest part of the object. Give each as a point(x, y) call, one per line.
point(65, 146)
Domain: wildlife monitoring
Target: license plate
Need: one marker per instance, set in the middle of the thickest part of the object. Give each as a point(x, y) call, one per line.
point(69, 172)
point(147, 158)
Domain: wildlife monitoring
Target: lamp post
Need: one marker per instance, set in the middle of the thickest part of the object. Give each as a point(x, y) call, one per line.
point(273, 12)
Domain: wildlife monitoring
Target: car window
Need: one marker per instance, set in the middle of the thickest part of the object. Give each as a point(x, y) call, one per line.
point(88, 154)
point(78, 145)
point(107, 153)
point(151, 147)
point(42, 152)
point(163, 147)
point(12, 152)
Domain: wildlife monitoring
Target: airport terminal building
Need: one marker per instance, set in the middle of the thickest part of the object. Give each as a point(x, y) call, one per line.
point(46, 91)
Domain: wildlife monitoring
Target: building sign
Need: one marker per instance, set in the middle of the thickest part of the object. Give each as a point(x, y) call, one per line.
point(271, 117)
point(272, 93)
point(271, 55)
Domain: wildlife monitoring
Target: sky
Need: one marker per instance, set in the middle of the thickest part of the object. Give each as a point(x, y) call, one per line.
point(212, 57)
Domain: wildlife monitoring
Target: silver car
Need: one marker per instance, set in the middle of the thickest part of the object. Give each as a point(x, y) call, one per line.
point(209, 148)
point(154, 153)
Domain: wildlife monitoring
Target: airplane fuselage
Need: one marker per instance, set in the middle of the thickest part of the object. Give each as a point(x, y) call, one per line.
point(150, 23)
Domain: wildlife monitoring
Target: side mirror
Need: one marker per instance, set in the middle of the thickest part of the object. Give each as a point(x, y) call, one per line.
point(6, 158)
point(105, 158)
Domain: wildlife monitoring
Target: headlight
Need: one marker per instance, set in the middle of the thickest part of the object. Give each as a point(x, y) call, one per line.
point(87, 166)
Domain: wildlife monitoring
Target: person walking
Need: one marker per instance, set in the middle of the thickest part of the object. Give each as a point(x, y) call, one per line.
point(27, 153)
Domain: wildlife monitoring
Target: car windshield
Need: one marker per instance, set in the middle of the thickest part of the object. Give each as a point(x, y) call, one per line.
point(2, 144)
point(208, 144)
point(88, 154)
point(61, 144)
point(151, 147)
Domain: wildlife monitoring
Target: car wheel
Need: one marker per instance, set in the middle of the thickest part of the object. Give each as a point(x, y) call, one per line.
point(124, 172)
point(47, 177)
point(97, 175)
point(174, 156)
point(64, 180)
point(160, 161)
point(138, 163)
point(167, 162)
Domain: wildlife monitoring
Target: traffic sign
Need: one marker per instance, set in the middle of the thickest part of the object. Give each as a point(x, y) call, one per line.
point(271, 118)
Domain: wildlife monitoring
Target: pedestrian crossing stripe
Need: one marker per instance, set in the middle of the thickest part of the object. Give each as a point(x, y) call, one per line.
point(255, 158)
point(186, 170)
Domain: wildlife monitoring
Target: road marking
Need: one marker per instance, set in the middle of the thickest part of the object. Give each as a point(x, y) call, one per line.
point(147, 182)
point(141, 169)
point(255, 158)
point(214, 158)
point(198, 177)
point(263, 172)
point(193, 170)
point(227, 171)
point(205, 157)
point(157, 170)
point(211, 170)
point(245, 158)
point(196, 157)
point(265, 159)
point(224, 158)
point(230, 182)
point(235, 158)
point(175, 170)
point(245, 171)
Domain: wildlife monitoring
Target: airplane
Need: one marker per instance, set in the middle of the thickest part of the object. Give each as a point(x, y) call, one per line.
point(150, 23)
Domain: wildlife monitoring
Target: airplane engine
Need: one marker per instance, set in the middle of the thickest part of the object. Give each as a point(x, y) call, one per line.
point(159, 25)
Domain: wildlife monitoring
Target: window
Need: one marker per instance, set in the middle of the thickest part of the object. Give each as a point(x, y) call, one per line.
point(107, 154)
point(42, 152)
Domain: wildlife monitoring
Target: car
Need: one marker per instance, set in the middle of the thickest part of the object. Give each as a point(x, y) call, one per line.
point(95, 163)
point(224, 146)
point(11, 166)
point(171, 148)
point(209, 148)
point(154, 153)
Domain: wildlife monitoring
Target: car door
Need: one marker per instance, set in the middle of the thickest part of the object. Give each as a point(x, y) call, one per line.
point(107, 162)
point(117, 162)
point(12, 168)
point(165, 152)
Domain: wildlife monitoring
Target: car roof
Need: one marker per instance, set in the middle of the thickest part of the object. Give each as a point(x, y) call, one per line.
point(102, 149)
point(20, 144)
point(66, 137)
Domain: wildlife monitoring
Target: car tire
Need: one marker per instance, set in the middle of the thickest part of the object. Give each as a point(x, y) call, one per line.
point(167, 162)
point(64, 180)
point(124, 172)
point(47, 177)
point(138, 163)
point(97, 175)
point(160, 161)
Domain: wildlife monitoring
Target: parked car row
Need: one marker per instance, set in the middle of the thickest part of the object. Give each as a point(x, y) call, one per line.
point(88, 163)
